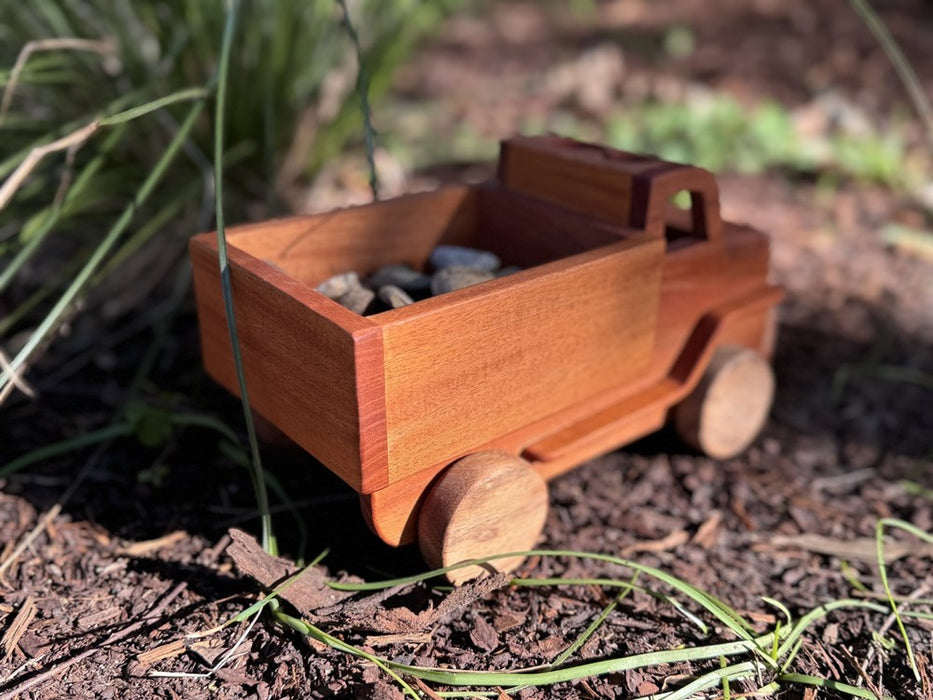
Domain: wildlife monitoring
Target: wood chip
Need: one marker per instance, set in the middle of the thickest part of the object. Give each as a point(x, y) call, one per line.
point(483, 635)
point(162, 652)
point(385, 640)
point(675, 539)
point(427, 690)
point(26, 614)
point(861, 549)
point(308, 593)
point(99, 617)
point(138, 549)
point(707, 534)
point(205, 653)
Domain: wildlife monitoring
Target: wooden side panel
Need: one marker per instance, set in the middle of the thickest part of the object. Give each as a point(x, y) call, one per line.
point(525, 231)
point(470, 366)
point(402, 230)
point(300, 354)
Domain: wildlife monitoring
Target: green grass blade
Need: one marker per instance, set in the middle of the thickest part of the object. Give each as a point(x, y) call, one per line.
point(720, 676)
point(904, 70)
point(259, 484)
point(57, 313)
point(186, 95)
point(595, 624)
point(883, 571)
point(65, 446)
point(828, 684)
point(362, 86)
point(729, 617)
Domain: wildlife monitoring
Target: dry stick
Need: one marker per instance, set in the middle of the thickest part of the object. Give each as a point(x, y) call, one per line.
point(16, 378)
point(872, 686)
point(29, 163)
point(18, 627)
point(18, 690)
point(103, 47)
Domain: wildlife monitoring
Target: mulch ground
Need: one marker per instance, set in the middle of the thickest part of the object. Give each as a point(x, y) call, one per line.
point(127, 570)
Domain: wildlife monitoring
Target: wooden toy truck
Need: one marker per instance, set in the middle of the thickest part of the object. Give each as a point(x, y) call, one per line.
point(447, 416)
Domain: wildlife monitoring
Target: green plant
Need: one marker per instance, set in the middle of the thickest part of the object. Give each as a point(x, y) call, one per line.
point(717, 132)
point(764, 660)
point(99, 139)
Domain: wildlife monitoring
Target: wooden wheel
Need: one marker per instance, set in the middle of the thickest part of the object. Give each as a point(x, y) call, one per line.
point(728, 408)
point(485, 503)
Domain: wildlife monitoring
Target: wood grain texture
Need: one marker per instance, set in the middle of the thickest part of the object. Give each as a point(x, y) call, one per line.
point(312, 248)
point(727, 409)
point(484, 504)
point(305, 358)
point(472, 365)
point(621, 306)
point(624, 188)
point(643, 412)
point(624, 413)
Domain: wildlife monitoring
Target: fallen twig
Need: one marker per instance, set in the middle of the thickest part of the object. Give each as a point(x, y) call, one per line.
point(103, 47)
point(18, 627)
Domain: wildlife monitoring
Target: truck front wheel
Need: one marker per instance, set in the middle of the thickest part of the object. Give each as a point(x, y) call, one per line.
point(483, 504)
point(728, 408)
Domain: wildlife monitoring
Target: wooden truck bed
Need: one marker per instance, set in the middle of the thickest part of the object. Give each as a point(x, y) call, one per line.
point(382, 397)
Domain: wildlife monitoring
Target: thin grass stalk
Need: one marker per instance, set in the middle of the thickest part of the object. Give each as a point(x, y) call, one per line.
point(790, 634)
point(739, 626)
point(12, 319)
point(720, 676)
point(362, 87)
point(595, 624)
point(883, 571)
point(904, 70)
point(256, 472)
point(826, 683)
point(94, 437)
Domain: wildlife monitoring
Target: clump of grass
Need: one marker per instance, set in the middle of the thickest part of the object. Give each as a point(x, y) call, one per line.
point(106, 121)
point(763, 661)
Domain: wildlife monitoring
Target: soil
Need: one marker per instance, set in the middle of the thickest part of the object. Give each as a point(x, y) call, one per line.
point(129, 572)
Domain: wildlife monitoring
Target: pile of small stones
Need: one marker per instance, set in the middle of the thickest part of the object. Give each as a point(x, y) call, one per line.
point(394, 286)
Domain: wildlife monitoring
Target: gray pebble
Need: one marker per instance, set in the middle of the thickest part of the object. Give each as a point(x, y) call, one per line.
point(357, 299)
point(509, 270)
point(395, 297)
point(444, 256)
point(401, 276)
point(456, 277)
point(339, 285)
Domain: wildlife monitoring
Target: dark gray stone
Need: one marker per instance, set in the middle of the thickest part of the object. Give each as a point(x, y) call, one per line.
point(357, 299)
point(339, 285)
point(396, 297)
point(456, 277)
point(444, 256)
point(508, 270)
point(401, 276)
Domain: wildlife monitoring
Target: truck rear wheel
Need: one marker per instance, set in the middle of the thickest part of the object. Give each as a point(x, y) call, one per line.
point(485, 503)
point(728, 408)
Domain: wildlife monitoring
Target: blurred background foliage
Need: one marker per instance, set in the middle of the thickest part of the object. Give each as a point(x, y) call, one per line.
point(294, 109)
point(292, 105)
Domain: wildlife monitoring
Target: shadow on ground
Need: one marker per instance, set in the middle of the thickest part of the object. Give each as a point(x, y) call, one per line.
point(825, 427)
